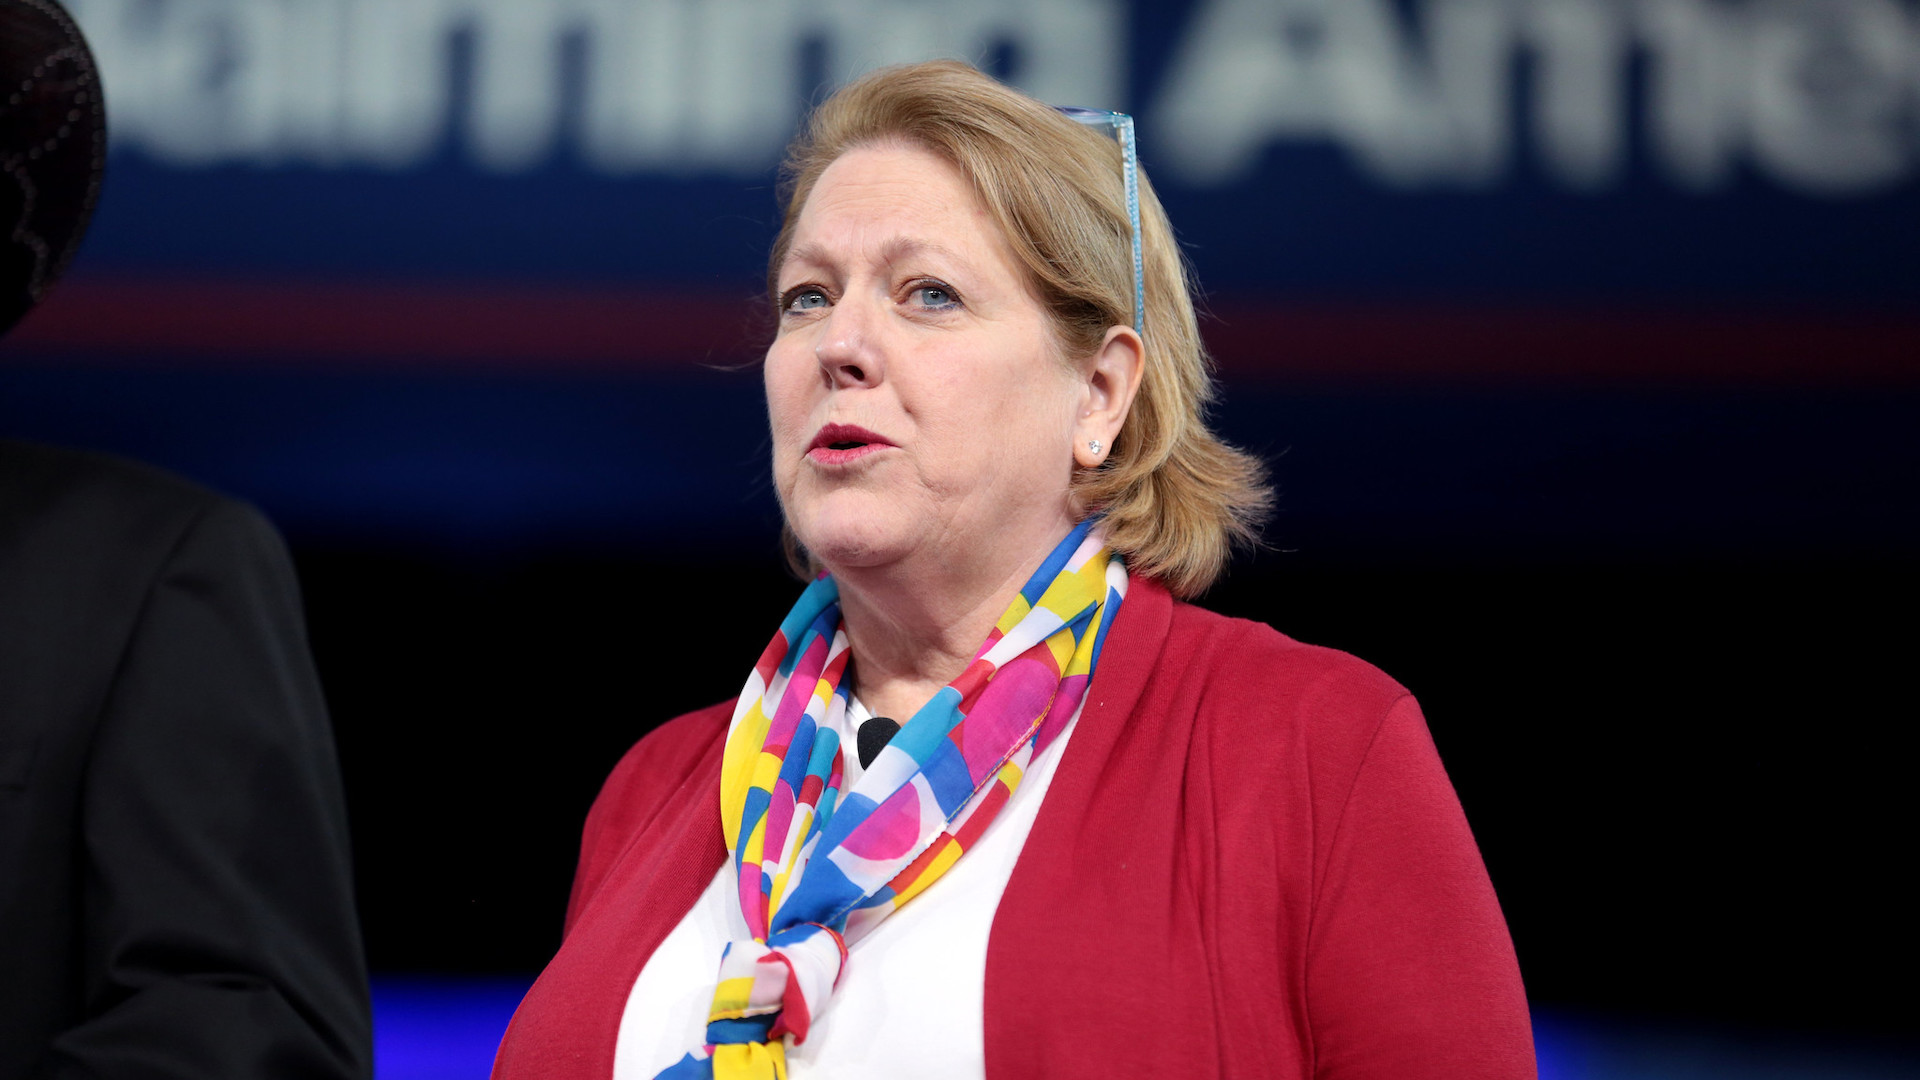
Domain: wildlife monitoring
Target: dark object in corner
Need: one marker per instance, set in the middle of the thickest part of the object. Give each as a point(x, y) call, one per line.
point(53, 149)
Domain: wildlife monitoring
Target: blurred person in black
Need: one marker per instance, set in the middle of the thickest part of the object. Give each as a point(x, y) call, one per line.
point(175, 894)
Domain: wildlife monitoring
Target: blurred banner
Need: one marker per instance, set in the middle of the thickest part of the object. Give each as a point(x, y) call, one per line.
point(1523, 196)
point(1662, 150)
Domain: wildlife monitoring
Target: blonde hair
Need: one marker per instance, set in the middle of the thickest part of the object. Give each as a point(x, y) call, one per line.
point(1175, 499)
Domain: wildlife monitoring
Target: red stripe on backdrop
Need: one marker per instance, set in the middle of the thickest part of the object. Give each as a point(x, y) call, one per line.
point(444, 325)
point(1349, 341)
point(657, 330)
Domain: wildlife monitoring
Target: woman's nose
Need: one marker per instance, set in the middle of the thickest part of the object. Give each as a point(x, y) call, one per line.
point(848, 348)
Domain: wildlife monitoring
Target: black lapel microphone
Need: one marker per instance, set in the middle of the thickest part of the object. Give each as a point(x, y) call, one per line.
point(873, 737)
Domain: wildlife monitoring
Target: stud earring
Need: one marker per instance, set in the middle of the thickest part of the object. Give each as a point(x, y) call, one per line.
point(1093, 445)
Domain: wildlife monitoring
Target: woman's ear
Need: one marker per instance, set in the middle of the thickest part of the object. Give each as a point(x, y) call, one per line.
point(1112, 379)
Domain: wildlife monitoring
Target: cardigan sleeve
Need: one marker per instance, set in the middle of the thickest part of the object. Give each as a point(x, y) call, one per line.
point(1410, 969)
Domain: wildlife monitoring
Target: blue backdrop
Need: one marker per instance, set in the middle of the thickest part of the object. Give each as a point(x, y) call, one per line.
point(460, 271)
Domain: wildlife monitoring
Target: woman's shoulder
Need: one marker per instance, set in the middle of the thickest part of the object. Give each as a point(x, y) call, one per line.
point(1264, 717)
point(1256, 702)
point(666, 756)
point(652, 772)
point(650, 780)
point(1247, 659)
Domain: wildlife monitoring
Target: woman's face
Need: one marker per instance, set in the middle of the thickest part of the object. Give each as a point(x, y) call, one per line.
point(918, 402)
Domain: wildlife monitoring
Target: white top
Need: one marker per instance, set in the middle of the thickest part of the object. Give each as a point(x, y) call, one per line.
point(910, 1002)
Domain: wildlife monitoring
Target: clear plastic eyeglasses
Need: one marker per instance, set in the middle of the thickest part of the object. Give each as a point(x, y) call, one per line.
point(1122, 127)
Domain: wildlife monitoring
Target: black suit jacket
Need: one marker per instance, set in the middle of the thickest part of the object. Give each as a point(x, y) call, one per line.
point(175, 890)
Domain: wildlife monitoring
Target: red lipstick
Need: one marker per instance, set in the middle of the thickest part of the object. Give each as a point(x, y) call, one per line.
point(839, 444)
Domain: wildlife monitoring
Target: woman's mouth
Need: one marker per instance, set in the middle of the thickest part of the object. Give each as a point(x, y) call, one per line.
point(839, 444)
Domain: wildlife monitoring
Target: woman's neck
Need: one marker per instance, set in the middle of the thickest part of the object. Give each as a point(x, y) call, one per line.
point(912, 633)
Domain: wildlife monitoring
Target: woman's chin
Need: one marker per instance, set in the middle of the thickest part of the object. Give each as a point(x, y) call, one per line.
point(851, 527)
point(848, 544)
point(838, 552)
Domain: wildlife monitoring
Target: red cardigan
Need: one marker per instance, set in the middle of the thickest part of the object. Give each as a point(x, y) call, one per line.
point(1250, 864)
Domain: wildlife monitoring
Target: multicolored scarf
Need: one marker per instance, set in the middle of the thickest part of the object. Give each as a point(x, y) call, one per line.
point(819, 869)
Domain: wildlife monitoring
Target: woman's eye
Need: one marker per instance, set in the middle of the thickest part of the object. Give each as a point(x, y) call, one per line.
point(934, 296)
point(804, 298)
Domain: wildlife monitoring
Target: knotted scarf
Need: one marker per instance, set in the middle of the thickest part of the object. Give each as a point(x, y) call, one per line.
point(819, 869)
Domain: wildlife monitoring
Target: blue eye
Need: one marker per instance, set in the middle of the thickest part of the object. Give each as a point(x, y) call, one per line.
point(935, 296)
point(804, 298)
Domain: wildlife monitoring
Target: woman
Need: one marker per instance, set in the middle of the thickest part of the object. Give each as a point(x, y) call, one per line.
point(1123, 835)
